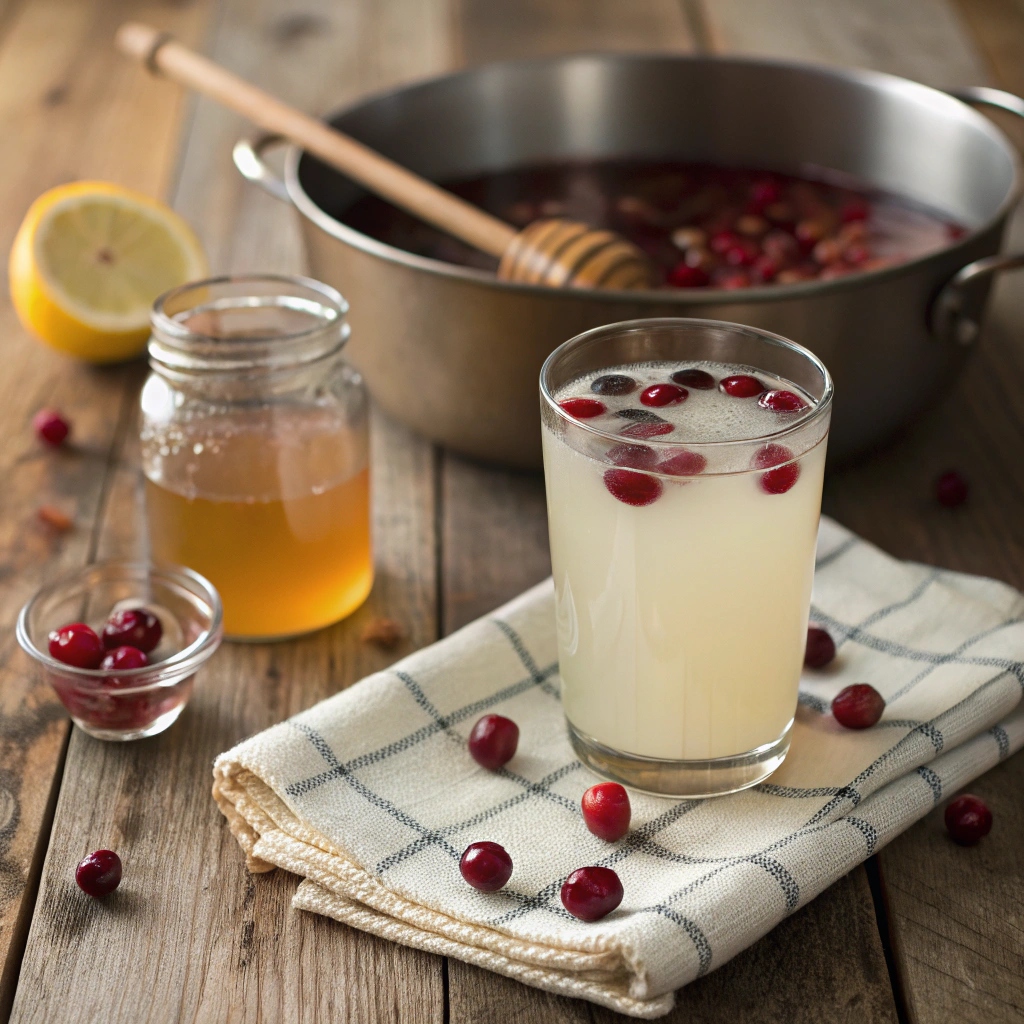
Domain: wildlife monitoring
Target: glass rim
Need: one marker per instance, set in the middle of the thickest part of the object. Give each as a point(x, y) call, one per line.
point(188, 658)
point(821, 406)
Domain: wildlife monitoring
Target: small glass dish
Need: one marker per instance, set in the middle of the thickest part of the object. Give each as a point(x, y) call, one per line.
point(126, 704)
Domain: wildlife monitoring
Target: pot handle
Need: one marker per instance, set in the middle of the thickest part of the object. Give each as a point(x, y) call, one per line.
point(956, 312)
point(248, 158)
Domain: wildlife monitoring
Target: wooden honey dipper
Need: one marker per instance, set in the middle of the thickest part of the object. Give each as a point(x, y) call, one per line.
point(555, 252)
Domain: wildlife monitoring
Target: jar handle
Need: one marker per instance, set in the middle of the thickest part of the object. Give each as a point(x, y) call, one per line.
point(248, 157)
point(957, 310)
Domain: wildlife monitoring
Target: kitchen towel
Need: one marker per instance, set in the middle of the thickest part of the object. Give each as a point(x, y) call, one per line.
point(371, 796)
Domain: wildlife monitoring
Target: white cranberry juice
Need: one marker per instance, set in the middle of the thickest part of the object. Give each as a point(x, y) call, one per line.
point(683, 575)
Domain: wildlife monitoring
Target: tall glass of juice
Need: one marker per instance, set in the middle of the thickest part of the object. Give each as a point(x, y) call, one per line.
point(683, 461)
point(255, 451)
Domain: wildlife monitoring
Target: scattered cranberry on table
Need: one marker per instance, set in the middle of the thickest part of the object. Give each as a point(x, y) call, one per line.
point(76, 644)
point(122, 658)
point(631, 487)
point(486, 866)
point(820, 649)
point(132, 627)
point(606, 810)
point(968, 819)
point(99, 874)
point(776, 480)
point(741, 385)
point(51, 427)
point(951, 489)
point(493, 741)
point(591, 893)
point(858, 706)
point(582, 408)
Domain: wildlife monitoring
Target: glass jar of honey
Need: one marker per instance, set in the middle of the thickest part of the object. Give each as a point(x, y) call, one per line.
point(255, 451)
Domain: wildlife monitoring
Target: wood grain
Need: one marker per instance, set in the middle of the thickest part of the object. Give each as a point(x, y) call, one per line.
point(63, 114)
point(199, 939)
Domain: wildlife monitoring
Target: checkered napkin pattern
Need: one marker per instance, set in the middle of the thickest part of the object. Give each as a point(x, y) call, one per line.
point(371, 796)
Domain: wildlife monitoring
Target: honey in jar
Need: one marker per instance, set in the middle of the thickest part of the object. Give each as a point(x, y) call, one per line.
point(255, 452)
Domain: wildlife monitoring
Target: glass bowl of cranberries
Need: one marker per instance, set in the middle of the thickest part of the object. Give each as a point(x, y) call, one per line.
point(120, 642)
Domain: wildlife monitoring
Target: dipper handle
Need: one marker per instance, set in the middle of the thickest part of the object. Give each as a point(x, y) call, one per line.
point(161, 54)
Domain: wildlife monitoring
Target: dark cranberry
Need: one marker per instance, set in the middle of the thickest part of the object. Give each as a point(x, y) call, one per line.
point(765, 192)
point(700, 380)
point(741, 385)
point(751, 225)
point(643, 431)
point(486, 866)
point(124, 658)
point(76, 644)
point(765, 269)
point(723, 241)
point(606, 810)
point(968, 819)
point(809, 233)
point(591, 893)
point(951, 489)
point(493, 741)
point(663, 394)
point(632, 488)
point(820, 649)
point(132, 627)
point(684, 463)
point(582, 408)
point(858, 707)
point(632, 456)
point(51, 427)
point(682, 275)
point(854, 210)
point(776, 481)
point(639, 416)
point(782, 214)
point(99, 874)
point(613, 384)
point(782, 401)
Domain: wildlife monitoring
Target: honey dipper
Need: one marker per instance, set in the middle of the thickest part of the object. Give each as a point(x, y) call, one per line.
point(554, 252)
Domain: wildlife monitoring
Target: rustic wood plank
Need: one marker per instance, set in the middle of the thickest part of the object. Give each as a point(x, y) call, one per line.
point(209, 942)
point(64, 112)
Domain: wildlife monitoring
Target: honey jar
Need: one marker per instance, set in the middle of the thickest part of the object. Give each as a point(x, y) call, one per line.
point(255, 451)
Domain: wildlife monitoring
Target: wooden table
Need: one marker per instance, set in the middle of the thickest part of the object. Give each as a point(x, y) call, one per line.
point(924, 932)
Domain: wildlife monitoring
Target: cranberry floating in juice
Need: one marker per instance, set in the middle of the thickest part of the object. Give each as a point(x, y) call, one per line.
point(683, 555)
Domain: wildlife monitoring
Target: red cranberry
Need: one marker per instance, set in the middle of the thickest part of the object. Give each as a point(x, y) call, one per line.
point(820, 649)
point(76, 645)
point(765, 269)
point(613, 384)
point(132, 627)
point(723, 241)
point(951, 489)
point(809, 233)
point(663, 394)
point(582, 408)
point(854, 210)
point(684, 463)
point(632, 488)
point(700, 380)
point(776, 481)
point(857, 254)
point(780, 245)
point(858, 707)
point(968, 819)
point(493, 741)
point(742, 254)
point(99, 874)
point(643, 431)
point(765, 192)
point(682, 275)
point(591, 893)
point(51, 427)
point(486, 866)
point(632, 456)
point(732, 281)
point(606, 811)
point(121, 658)
point(741, 385)
point(782, 401)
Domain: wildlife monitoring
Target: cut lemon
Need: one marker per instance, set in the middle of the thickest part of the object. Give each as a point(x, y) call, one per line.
point(87, 263)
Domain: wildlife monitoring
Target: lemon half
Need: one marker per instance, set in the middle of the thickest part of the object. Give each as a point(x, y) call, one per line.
point(87, 263)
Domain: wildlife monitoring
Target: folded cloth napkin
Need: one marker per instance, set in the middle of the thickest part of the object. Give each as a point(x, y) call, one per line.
point(371, 796)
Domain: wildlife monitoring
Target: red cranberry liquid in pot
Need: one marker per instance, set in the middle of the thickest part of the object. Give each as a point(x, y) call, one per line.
point(702, 225)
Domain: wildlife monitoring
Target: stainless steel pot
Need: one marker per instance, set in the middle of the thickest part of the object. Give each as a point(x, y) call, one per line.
point(456, 353)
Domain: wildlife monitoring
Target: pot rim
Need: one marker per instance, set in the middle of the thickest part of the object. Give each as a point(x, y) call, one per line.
point(660, 296)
